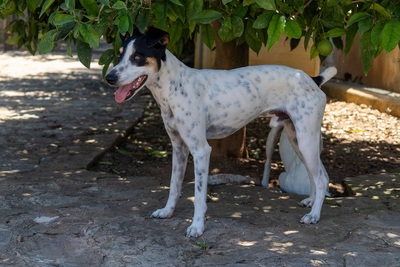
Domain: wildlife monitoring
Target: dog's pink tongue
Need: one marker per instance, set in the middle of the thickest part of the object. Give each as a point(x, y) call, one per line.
point(122, 93)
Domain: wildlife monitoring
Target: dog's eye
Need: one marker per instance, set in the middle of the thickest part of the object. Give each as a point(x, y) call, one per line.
point(135, 58)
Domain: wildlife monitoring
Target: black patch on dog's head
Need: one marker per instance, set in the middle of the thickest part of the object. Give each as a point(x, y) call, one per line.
point(318, 80)
point(151, 44)
point(126, 39)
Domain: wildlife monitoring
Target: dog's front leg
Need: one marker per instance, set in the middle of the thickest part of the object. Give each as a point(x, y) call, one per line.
point(201, 156)
point(180, 153)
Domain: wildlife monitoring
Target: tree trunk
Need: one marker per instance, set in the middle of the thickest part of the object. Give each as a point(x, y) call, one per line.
point(228, 56)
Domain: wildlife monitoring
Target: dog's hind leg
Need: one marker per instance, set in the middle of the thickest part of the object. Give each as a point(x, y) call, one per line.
point(291, 135)
point(272, 140)
point(180, 153)
point(307, 146)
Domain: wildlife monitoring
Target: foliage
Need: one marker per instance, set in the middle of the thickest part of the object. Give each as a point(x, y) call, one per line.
point(40, 24)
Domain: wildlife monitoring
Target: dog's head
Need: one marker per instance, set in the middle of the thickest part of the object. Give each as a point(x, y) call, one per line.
point(140, 59)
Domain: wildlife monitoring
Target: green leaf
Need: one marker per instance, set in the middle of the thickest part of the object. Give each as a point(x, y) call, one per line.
point(176, 2)
point(89, 35)
point(107, 56)
point(284, 7)
point(207, 34)
point(240, 11)
point(123, 24)
point(331, 3)
point(128, 153)
point(32, 5)
point(381, 10)
point(84, 53)
point(105, 59)
point(313, 52)
point(262, 21)
point(335, 33)
point(267, 4)
point(13, 39)
point(237, 26)
point(106, 163)
point(332, 17)
point(69, 46)
point(91, 7)
point(45, 6)
point(364, 25)
point(293, 29)
point(104, 70)
point(62, 19)
point(252, 37)
point(275, 29)
point(338, 42)
point(193, 7)
point(160, 10)
point(357, 17)
point(248, 2)
point(367, 51)
point(70, 4)
point(142, 20)
point(47, 43)
point(376, 33)
point(104, 2)
point(176, 12)
point(206, 16)
point(391, 35)
point(225, 31)
point(159, 153)
point(307, 38)
point(175, 32)
point(350, 34)
point(119, 5)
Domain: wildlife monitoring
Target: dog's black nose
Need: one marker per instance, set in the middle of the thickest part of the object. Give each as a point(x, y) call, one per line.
point(112, 78)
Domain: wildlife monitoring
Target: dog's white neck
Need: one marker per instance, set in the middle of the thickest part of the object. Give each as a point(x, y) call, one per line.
point(170, 69)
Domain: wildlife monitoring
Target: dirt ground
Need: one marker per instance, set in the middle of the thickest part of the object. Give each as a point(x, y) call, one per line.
point(357, 140)
point(57, 208)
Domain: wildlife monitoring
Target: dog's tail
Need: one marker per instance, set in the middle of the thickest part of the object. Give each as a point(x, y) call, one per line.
point(325, 76)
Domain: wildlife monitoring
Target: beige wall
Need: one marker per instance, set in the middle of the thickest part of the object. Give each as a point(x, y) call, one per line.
point(279, 54)
point(385, 71)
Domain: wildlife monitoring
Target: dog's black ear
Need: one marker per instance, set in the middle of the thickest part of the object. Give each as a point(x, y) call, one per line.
point(156, 36)
point(127, 36)
point(136, 32)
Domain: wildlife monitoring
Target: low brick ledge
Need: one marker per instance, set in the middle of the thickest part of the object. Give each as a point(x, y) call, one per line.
point(382, 100)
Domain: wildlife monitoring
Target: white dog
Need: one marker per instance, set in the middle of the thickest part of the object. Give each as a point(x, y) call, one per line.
point(200, 104)
point(295, 178)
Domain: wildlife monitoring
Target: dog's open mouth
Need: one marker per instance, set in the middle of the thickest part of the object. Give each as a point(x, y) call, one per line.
point(127, 91)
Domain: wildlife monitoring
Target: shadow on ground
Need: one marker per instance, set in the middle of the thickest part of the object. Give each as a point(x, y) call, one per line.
point(54, 212)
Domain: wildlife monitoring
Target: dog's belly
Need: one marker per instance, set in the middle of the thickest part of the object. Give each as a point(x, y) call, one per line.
point(228, 123)
point(220, 131)
point(226, 115)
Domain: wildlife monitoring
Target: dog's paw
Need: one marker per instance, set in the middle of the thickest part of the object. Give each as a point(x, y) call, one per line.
point(162, 213)
point(308, 202)
point(309, 218)
point(195, 230)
